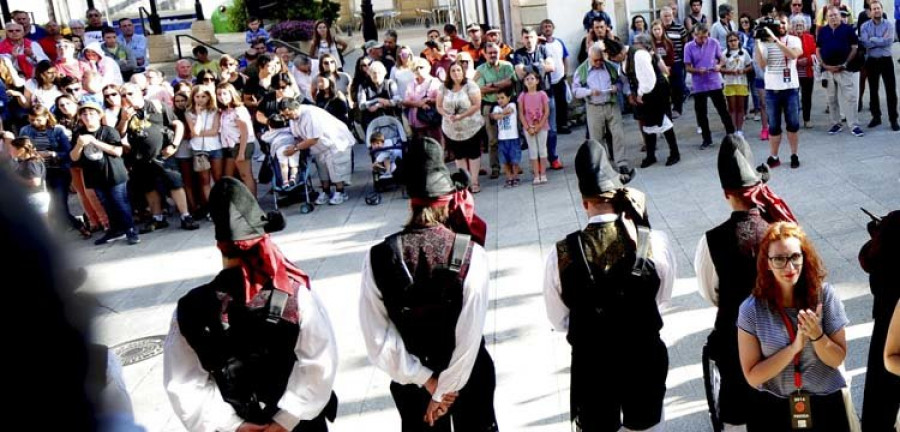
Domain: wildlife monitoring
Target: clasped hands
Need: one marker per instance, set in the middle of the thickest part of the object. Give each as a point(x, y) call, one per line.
point(437, 410)
point(809, 327)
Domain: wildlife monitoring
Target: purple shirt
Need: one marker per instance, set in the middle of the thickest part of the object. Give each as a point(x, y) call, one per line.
point(706, 56)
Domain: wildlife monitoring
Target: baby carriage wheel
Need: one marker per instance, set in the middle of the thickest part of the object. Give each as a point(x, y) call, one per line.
point(306, 208)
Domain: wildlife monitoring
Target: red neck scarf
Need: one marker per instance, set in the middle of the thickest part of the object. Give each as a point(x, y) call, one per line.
point(774, 208)
point(461, 207)
point(262, 261)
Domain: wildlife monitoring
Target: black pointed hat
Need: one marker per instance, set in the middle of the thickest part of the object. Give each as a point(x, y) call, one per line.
point(236, 213)
point(735, 164)
point(596, 176)
point(424, 172)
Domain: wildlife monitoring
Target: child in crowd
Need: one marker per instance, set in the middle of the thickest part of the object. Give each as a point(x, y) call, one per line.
point(203, 61)
point(203, 123)
point(255, 30)
point(280, 139)
point(385, 160)
point(508, 134)
point(734, 74)
point(534, 111)
point(92, 88)
point(32, 173)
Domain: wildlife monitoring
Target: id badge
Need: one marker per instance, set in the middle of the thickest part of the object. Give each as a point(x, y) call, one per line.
point(801, 411)
point(786, 74)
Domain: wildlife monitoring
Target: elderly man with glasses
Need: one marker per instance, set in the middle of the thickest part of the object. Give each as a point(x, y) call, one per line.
point(24, 52)
point(32, 31)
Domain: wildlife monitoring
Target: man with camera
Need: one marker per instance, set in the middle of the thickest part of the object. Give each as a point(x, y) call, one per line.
point(836, 47)
point(777, 55)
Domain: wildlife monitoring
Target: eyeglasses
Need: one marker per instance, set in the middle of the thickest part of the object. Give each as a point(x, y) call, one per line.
point(780, 262)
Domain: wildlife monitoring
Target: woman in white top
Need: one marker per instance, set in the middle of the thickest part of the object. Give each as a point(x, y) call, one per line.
point(203, 122)
point(40, 90)
point(402, 73)
point(236, 133)
point(459, 103)
point(325, 43)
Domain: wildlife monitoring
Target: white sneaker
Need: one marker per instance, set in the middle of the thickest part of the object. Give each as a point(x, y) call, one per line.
point(337, 198)
point(739, 133)
point(322, 199)
point(699, 131)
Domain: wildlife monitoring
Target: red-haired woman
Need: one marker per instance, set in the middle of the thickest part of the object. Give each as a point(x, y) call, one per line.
point(791, 337)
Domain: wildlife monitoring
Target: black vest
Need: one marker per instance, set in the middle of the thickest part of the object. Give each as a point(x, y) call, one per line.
point(734, 246)
point(605, 291)
point(420, 274)
point(248, 349)
point(631, 73)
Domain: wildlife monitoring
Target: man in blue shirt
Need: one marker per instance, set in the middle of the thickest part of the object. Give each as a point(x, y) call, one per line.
point(835, 47)
point(877, 36)
point(135, 42)
point(32, 31)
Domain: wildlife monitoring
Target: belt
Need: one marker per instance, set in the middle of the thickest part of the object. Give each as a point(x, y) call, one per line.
point(611, 102)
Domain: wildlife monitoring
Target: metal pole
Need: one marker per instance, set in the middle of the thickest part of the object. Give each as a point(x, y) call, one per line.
point(7, 16)
point(199, 8)
point(155, 21)
point(90, 4)
point(370, 32)
point(484, 7)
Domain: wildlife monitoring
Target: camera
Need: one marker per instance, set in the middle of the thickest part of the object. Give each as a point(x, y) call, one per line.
point(759, 32)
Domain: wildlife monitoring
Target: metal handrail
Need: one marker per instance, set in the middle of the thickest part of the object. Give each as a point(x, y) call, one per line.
point(141, 12)
point(178, 44)
point(288, 45)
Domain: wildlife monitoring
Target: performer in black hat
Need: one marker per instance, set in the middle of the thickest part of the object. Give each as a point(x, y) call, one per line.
point(603, 284)
point(725, 264)
point(879, 258)
point(235, 357)
point(423, 304)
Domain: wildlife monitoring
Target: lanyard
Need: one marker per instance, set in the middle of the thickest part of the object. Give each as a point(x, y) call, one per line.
point(798, 378)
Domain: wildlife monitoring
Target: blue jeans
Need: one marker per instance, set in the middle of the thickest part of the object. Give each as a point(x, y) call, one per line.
point(678, 75)
point(118, 207)
point(785, 102)
point(551, 135)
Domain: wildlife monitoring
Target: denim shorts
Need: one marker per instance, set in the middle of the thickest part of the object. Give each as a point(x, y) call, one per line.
point(216, 154)
point(783, 102)
point(510, 151)
point(759, 83)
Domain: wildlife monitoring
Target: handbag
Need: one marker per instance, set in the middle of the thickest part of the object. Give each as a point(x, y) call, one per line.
point(201, 161)
point(428, 115)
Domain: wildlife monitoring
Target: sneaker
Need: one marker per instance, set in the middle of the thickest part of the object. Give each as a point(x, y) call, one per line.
point(756, 116)
point(543, 178)
point(835, 129)
point(154, 225)
point(875, 122)
point(673, 159)
point(322, 199)
point(699, 131)
point(508, 184)
point(337, 199)
point(739, 133)
point(764, 135)
point(188, 224)
point(773, 162)
point(556, 165)
point(495, 173)
point(132, 237)
point(807, 125)
point(795, 161)
point(705, 145)
point(516, 182)
point(857, 132)
point(649, 160)
point(537, 180)
point(109, 237)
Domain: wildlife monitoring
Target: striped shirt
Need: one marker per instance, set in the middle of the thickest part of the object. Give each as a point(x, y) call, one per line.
point(677, 34)
point(759, 319)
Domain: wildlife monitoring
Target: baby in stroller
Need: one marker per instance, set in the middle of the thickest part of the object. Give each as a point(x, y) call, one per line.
point(281, 140)
point(386, 160)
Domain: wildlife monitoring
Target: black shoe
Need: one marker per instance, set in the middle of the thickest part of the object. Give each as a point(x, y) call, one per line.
point(482, 172)
point(705, 145)
point(795, 161)
point(188, 224)
point(895, 127)
point(649, 160)
point(673, 159)
point(109, 237)
point(773, 162)
point(132, 237)
point(154, 225)
point(564, 131)
point(875, 122)
point(495, 173)
point(626, 171)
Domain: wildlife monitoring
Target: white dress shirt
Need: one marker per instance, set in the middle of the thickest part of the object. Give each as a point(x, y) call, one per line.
point(388, 352)
point(661, 255)
point(707, 278)
point(195, 396)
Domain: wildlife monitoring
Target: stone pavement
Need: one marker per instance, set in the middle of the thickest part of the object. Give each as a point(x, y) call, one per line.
point(137, 287)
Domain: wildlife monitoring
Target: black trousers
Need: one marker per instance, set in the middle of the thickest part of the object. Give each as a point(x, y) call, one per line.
point(772, 414)
point(562, 106)
point(718, 100)
point(806, 90)
point(882, 67)
point(881, 397)
point(650, 140)
point(472, 411)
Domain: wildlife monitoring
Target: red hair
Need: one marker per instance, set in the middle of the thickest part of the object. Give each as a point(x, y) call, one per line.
point(812, 273)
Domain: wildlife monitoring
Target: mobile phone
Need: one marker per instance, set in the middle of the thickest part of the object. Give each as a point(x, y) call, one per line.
point(874, 218)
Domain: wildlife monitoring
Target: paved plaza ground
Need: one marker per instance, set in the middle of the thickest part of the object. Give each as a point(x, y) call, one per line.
point(137, 286)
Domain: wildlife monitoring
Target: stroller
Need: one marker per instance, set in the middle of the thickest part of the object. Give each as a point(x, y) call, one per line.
point(395, 140)
point(301, 191)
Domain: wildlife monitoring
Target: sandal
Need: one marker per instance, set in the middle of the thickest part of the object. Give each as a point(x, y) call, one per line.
point(475, 188)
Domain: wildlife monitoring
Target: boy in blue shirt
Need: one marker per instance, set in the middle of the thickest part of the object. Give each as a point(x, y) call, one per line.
point(255, 31)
